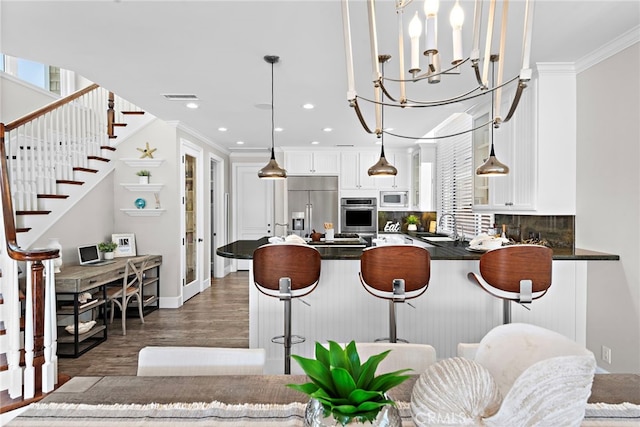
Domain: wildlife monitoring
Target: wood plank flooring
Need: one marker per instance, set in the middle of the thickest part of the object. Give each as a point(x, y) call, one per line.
point(217, 317)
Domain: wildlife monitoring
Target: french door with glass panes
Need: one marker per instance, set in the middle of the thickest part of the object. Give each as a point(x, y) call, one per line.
point(192, 224)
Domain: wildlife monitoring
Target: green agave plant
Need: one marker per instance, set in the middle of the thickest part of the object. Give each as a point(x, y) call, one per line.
point(345, 388)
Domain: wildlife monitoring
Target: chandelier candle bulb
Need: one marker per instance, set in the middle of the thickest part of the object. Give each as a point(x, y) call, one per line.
point(456, 18)
point(431, 26)
point(415, 29)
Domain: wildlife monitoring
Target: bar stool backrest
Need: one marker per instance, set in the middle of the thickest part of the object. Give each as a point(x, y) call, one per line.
point(298, 262)
point(381, 265)
point(505, 267)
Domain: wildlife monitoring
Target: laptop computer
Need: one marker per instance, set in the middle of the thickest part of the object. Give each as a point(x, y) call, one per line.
point(90, 255)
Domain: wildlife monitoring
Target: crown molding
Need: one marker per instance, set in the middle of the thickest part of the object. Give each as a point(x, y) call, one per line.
point(609, 49)
point(196, 134)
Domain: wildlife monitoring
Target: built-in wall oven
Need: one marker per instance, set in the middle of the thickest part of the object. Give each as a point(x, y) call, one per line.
point(359, 215)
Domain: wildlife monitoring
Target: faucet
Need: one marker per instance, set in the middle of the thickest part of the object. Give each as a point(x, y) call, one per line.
point(454, 235)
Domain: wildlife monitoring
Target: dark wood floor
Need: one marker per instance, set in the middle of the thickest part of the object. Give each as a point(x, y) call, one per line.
point(218, 317)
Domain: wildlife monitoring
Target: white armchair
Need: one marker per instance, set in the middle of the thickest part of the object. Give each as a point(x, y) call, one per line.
point(545, 379)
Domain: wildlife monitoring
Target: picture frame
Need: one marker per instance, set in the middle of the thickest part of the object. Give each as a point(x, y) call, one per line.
point(126, 244)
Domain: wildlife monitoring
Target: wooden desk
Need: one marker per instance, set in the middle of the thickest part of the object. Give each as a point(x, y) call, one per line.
point(75, 280)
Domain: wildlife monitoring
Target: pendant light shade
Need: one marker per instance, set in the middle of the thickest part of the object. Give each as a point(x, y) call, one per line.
point(382, 167)
point(492, 166)
point(272, 170)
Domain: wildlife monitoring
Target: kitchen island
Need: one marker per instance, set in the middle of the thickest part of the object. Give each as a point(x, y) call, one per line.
point(451, 311)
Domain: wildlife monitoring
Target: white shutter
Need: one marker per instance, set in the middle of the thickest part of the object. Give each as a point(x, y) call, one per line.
point(455, 177)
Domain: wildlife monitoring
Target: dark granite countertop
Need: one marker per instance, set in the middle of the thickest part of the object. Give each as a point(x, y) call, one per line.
point(243, 249)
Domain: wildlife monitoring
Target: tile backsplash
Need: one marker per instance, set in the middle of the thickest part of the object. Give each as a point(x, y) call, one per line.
point(400, 217)
point(558, 231)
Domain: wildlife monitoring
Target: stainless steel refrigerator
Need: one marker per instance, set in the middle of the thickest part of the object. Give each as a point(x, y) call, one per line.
point(312, 201)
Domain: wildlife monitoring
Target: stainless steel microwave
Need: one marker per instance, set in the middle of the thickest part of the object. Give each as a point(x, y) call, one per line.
point(395, 199)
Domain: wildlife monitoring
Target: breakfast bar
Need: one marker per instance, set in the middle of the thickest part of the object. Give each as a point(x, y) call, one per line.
point(451, 311)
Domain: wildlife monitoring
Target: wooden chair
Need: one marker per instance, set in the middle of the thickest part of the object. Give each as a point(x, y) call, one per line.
point(395, 273)
point(519, 273)
point(131, 288)
point(286, 271)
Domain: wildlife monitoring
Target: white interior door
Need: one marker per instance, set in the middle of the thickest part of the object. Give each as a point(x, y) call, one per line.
point(253, 206)
point(192, 223)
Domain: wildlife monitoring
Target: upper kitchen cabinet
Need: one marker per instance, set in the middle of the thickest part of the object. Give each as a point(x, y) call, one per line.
point(539, 146)
point(353, 170)
point(402, 162)
point(515, 146)
point(312, 162)
point(423, 178)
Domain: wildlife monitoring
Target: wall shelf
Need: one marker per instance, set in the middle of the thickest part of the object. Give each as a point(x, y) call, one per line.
point(143, 212)
point(143, 187)
point(141, 163)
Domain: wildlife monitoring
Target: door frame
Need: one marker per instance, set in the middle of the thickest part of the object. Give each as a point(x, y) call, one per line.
point(221, 217)
point(189, 290)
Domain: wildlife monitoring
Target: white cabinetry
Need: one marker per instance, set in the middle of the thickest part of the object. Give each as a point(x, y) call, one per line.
point(515, 146)
point(312, 162)
point(539, 146)
point(402, 181)
point(353, 170)
point(423, 178)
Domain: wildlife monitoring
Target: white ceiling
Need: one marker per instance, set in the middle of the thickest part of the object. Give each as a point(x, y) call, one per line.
point(214, 49)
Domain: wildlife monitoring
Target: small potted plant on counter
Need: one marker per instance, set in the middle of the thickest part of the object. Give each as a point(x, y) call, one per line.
point(412, 223)
point(107, 249)
point(143, 176)
point(343, 391)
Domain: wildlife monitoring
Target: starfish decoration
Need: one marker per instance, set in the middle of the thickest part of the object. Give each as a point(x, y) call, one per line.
point(146, 152)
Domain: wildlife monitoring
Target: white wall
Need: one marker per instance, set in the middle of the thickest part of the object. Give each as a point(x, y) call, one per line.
point(608, 204)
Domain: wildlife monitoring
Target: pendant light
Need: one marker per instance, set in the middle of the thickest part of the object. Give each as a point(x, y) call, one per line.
point(272, 170)
point(492, 166)
point(382, 167)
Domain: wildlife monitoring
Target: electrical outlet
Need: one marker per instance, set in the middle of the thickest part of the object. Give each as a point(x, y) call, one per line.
point(606, 354)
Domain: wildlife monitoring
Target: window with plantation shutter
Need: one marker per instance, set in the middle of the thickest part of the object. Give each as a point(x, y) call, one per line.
point(455, 178)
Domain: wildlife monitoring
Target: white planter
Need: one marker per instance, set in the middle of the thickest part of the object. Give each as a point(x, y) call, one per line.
point(143, 179)
point(108, 255)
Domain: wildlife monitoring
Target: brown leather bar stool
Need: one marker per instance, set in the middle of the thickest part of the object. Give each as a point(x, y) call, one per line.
point(395, 273)
point(519, 273)
point(286, 271)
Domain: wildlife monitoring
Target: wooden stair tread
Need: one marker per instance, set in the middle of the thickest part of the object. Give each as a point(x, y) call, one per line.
point(132, 112)
point(119, 124)
point(78, 169)
point(23, 230)
point(33, 212)
point(52, 196)
point(113, 136)
point(107, 147)
point(101, 159)
point(67, 181)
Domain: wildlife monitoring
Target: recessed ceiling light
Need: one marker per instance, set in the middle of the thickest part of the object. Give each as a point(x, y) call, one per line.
point(315, 142)
point(327, 129)
point(278, 129)
point(192, 105)
point(240, 142)
point(308, 106)
point(222, 129)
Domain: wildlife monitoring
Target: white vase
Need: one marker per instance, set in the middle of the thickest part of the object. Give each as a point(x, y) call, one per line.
point(143, 179)
point(412, 227)
point(108, 255)
point(54, 243)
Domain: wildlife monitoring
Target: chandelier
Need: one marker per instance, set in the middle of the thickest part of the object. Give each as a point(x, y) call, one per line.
point(432, 69)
